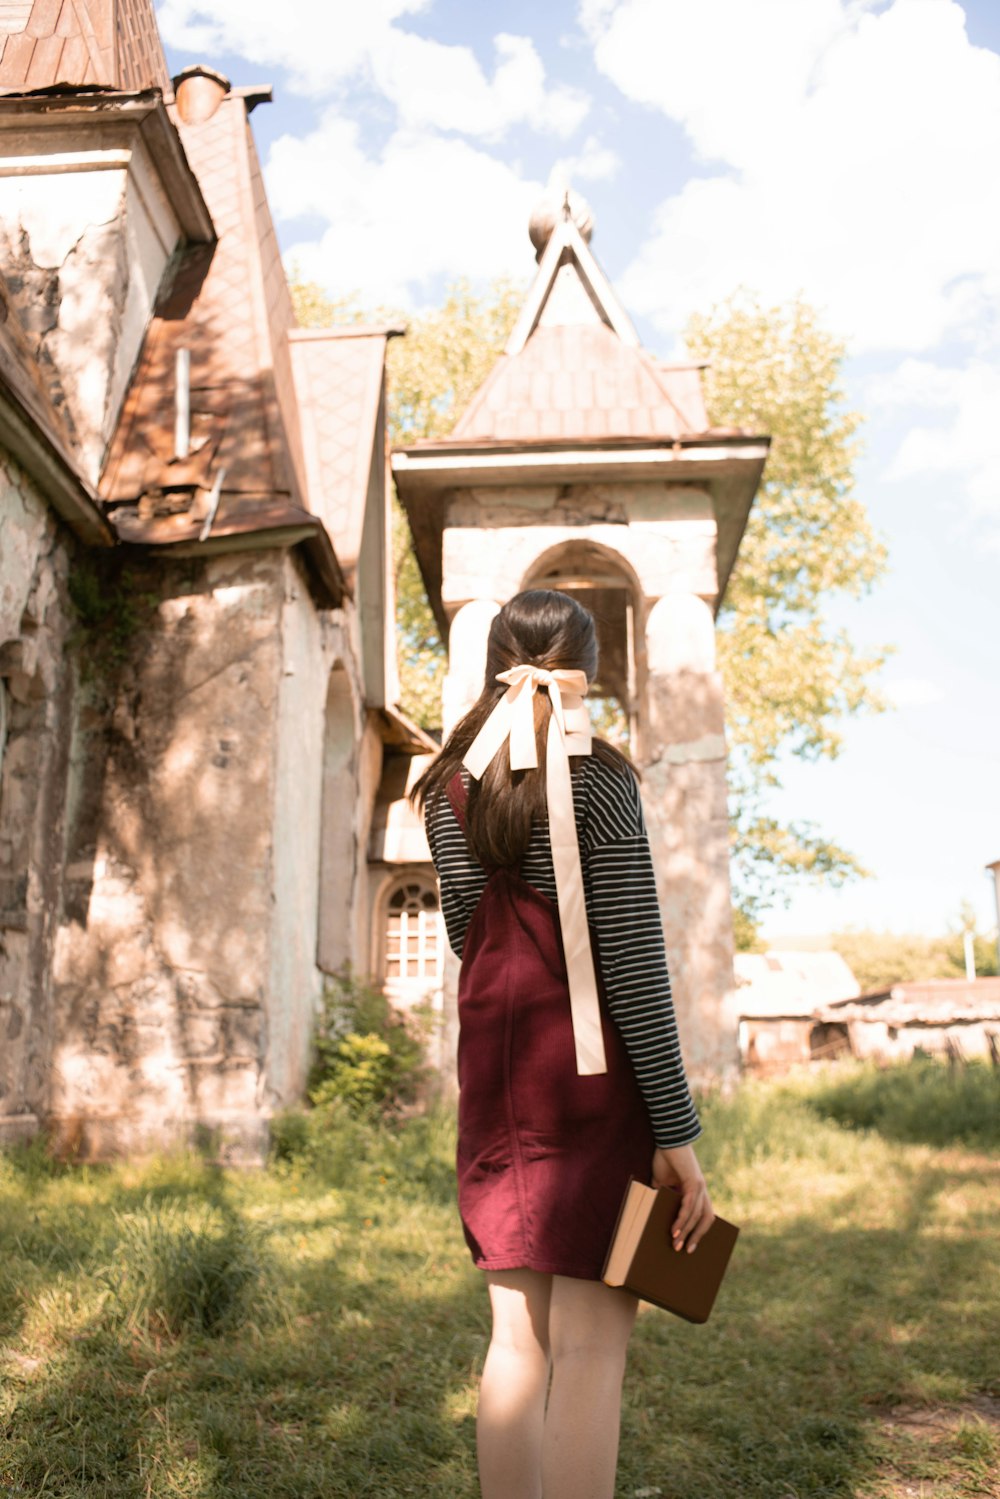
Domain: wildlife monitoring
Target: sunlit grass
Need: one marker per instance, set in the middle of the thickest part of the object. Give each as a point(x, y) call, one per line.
point(346, 1327)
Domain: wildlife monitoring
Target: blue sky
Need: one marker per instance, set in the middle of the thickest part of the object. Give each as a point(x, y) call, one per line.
point(845, 148)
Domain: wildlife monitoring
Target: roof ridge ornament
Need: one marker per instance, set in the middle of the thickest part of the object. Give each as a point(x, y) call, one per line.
point(559, 206)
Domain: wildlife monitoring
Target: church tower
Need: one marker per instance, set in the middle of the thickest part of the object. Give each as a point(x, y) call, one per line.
point(586, 465)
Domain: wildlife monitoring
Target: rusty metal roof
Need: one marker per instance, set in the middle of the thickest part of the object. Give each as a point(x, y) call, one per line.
point(104, 43)
point(931, 1002)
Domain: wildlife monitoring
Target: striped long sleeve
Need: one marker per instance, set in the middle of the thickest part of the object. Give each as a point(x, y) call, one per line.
point(624, 912)
point(622, 906)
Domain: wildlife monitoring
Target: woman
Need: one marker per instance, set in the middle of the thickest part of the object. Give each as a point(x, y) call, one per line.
point(569, 1068)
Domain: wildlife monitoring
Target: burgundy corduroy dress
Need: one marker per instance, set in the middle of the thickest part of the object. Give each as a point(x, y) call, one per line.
point(544, 1155)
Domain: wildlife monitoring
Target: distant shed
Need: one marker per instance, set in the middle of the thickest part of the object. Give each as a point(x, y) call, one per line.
point(960, 1016)
point(779, 997)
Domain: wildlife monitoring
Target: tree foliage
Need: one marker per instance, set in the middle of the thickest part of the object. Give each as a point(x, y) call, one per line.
point(880, 959)
point(791, 677)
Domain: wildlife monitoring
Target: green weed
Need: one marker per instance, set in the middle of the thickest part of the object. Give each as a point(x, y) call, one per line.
point(177, 1266)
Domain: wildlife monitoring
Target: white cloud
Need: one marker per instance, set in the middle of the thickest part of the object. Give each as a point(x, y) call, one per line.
point(426, 206)
point(430, 84)
point(443, 86)
point(594, 162)
point(853, 148)
point(913, 692)
point(960, 445)
point(319, 43)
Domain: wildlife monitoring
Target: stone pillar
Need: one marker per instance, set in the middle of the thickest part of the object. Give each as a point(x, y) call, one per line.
point(467, 639)
point(684, 793)
point(463, 683)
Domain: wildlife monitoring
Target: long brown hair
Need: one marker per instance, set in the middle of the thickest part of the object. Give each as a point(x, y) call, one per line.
point(538, 627)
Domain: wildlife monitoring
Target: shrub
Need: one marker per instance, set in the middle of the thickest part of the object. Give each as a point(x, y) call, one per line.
point(176, 1267)
point(367, 1054)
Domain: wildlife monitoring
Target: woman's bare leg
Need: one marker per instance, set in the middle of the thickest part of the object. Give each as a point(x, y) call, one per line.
point(589, 1329)
point(511, 1413)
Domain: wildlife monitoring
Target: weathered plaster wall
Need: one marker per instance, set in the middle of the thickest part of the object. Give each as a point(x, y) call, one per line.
point(161, 966)
point(370, 760)
point(327, 770)
point(160, 881)
point(83, 253)
point(35, 623)
point(494, 536)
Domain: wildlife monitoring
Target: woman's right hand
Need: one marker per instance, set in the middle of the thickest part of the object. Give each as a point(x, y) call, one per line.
point(677, 1166)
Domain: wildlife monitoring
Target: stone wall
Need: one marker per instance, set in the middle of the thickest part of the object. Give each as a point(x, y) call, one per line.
point(36, 621)
point(160, 837)
point(83, 254)
point(161, 964)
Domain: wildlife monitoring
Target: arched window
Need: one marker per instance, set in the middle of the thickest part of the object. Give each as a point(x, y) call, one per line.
point(413, 934)
point(603, 583)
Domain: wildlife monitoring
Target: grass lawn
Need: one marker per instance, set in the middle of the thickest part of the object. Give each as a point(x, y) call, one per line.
point(316, 1329)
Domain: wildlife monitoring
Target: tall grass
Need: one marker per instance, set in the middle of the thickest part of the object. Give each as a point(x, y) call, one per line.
point(177, 1265)
point(922, 1101)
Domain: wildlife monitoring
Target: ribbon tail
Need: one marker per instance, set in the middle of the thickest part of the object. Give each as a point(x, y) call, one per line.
point(585, 1009)
point(523, 749)
point(489, 739)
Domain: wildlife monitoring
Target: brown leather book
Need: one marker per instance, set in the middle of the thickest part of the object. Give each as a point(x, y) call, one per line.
point(643, 1260)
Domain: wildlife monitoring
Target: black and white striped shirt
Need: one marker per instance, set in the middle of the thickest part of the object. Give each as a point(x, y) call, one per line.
point(620, 892)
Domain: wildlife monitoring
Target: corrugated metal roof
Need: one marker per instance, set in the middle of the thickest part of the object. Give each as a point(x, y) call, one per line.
point(791, 983)
point(932, 1002)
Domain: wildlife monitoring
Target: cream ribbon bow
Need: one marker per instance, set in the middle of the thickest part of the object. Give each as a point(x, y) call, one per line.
point(570, 733)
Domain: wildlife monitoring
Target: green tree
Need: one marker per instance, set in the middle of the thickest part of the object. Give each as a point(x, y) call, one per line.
point(791, 677)
point(880, 959)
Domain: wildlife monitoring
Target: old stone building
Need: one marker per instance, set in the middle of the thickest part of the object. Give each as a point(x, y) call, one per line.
point(196, 676)
point(203, 765)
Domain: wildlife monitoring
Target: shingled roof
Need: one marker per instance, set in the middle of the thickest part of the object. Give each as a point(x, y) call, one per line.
point(338, 374)
point(283, 421)
point(97, 43)
point(573, 366)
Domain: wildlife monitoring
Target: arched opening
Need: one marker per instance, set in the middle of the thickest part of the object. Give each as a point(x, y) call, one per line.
point(603, 582)
point(338, 835)
point(413, 941)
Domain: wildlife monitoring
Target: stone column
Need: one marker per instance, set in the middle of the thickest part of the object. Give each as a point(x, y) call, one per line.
point(463, 683)
point(684, 793)
point(467, 638)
